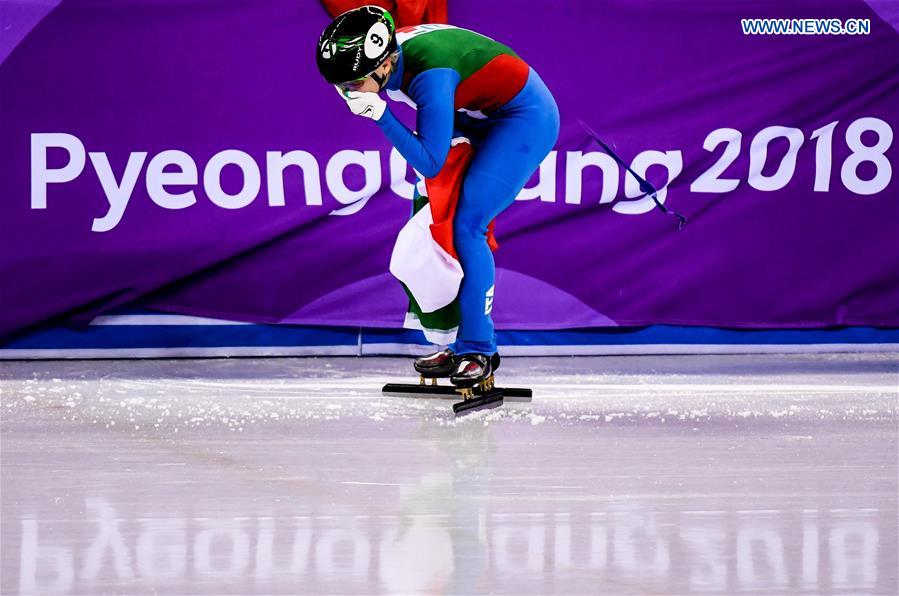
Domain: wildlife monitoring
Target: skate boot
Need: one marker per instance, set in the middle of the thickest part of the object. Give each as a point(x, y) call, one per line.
point(437, 365)
point(473, 371)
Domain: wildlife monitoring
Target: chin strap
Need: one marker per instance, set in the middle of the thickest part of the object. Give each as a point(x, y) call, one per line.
point(381, 81)
point(646, 188)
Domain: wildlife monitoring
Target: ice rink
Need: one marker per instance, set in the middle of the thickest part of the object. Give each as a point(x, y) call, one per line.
point(625, 475)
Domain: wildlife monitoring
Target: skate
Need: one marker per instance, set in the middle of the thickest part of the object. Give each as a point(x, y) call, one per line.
point(441, 365)
point(476, 397)
point(434, 366)
point(473, 370)
point(473, 379)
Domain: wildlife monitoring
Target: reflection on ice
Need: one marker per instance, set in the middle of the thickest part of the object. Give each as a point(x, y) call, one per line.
point(718, 551)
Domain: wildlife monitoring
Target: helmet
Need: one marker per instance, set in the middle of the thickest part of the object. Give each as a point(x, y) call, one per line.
point(355, 44)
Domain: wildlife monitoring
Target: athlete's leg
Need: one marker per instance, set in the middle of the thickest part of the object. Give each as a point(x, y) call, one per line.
point(521, 135)
point(482, 194)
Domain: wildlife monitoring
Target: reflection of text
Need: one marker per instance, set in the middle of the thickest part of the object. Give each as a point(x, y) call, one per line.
point(714, 551)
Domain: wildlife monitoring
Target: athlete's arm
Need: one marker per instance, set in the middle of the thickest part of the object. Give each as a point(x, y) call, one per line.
point(434, 92)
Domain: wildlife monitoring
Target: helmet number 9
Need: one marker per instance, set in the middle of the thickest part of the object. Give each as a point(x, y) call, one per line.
point(375, 40)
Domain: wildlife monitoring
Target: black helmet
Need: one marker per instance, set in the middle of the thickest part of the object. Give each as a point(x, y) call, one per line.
point(355, 44)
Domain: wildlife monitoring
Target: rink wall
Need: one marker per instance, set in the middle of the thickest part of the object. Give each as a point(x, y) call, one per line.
point(148, 334)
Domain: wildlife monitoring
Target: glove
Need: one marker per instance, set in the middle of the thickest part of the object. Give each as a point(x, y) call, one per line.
point(367, 104)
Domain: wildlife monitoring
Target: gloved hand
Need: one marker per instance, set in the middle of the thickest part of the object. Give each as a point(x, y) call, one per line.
point(367, 104)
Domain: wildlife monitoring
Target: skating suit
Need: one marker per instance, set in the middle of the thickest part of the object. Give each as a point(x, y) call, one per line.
point(462, 83)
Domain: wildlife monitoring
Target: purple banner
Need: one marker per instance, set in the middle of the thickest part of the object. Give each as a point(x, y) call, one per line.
point(188, 156)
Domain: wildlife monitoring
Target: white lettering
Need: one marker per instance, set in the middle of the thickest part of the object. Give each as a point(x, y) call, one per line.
point(758, 531)
point(399, 184)
point(853, 555)
point(562, 542)
point(370, 161)
point(330, 566)
point(158, 179)
point(276, 162)
point(212, 181)
point(758, 155)
point(265, 550)
point(706, 541)
point(109, 538)
point(41, 176)
point(231, 533)
point(599, 548)
point(810, 550)
point(635, 537)
point(508, 540)
point(161, 550)
point(673, 161)
point(32, 556)
point(575, 163)
point(117, 193)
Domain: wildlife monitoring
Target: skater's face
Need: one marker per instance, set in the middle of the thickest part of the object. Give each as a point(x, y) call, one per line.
point(370, 84)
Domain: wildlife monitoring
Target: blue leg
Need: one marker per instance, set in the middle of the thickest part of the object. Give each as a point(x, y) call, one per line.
point(519, 136)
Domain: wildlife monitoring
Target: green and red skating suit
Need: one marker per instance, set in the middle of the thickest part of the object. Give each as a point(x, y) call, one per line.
point(443, 70)
point(512, 121)
point(490, 73)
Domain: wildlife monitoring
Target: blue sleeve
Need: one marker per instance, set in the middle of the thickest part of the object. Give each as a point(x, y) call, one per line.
point(434, 93)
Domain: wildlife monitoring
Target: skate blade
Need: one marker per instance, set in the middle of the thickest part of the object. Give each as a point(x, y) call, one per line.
point(490, 400)
point(510, 394)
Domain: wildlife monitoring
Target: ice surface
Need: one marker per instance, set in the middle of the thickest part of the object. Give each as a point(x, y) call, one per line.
point(678, 474)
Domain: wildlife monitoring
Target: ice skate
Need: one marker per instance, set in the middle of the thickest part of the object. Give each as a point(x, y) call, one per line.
point(435, 366)
point(440, 365)
point(473, 379)
point(476, 389)
point(473, 370)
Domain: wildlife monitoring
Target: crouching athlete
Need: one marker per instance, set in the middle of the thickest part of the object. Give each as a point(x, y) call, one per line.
point(457, 80)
